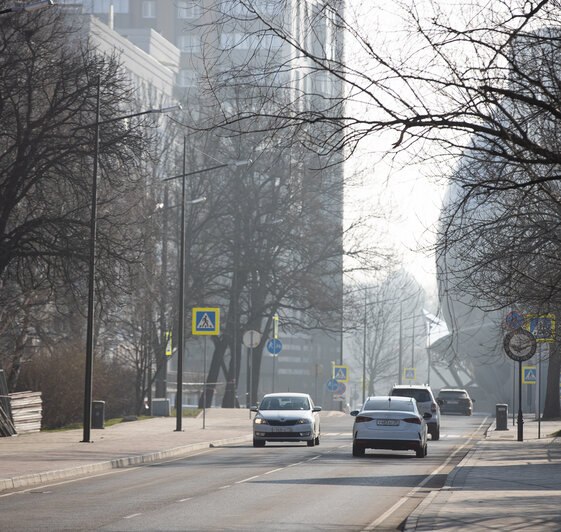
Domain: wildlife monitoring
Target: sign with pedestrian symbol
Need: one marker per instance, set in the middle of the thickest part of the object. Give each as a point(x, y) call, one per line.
point(274, 346)
point(332, 385)
point(206, 321)
point(542, 327)
point(341, 373)
point(409, 374)
point(529, 374)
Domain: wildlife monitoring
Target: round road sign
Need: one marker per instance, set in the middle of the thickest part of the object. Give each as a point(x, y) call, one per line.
point(251, 338)
point(516, 320)
point(520, 344)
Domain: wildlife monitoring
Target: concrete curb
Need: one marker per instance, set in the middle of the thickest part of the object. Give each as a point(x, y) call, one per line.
point(34, 479)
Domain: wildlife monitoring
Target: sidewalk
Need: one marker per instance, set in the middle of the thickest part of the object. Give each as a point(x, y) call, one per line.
point(31, 459)
point(501, 484)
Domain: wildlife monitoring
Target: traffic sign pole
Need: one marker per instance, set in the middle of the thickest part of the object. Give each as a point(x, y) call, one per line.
point(520, 418)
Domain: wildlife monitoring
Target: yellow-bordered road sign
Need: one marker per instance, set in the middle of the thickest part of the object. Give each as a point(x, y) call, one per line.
point(206, 321)
point(341, 373)
point(529, 374)
point(409, 374)
point(542, 327)
point(169, 349)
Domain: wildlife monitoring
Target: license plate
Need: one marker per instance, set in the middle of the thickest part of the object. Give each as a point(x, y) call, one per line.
point(387, 422)
point(282, 429)
point(453, 402)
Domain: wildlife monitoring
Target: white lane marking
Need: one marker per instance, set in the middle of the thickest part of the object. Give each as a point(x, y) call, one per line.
point(387, 513)
point(131, 516)
point(247, 479)
point(313, 458)
point(186, 499)
point(225, 487)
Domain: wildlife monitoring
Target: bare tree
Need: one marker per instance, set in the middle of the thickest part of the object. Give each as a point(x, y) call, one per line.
point(48, 91)
point(478, 83)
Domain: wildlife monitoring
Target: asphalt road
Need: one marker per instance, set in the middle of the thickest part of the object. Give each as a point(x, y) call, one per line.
point(288, 487)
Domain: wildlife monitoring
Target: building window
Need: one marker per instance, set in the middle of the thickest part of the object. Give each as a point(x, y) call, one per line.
point(186, 78)
point(188, 10)
point(149, 9)
point(189, 43)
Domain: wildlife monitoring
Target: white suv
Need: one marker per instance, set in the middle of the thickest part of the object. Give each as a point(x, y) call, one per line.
point(426, 403)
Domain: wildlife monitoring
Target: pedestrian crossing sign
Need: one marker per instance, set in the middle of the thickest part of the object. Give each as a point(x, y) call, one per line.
point(529, 374)
point(409, 374)
point(542, 327)
point(341, 373)
point(206, 321)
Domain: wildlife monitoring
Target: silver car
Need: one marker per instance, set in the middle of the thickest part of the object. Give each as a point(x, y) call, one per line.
point(286, 417)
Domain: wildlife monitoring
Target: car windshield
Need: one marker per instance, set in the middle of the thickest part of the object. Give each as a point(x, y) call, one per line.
point(452, 394)
point(384, 404)
point(421, 396)
point(285, 403)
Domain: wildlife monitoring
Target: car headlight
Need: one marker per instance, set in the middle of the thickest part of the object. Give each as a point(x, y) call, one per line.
point(260, 421)
point(303, 421)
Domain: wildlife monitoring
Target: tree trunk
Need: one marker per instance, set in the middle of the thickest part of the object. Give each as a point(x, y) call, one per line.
point(551, 407)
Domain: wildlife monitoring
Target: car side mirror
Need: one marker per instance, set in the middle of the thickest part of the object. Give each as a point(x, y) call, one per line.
point(316, 409)
point(427, 415)
point(440, 402)
point(354, 413)
point(254, 409)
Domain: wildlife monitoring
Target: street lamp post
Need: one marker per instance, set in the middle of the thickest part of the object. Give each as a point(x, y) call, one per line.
point(181, 319)
point(91, 266)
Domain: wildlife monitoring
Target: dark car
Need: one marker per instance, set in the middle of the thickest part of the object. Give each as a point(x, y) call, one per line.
point(455, 400)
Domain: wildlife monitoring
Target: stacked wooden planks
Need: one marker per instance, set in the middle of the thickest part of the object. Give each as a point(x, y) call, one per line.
point(26, 411)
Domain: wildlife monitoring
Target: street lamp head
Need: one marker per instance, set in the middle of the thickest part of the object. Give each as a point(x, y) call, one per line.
point(166, 109)
point(38, 5)
point(236, 164)
point(196, 200)
point(28, 7)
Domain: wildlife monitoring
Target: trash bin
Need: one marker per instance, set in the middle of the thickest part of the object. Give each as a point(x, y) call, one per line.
point(160, 407)
point(98, 414)
point(501, 415)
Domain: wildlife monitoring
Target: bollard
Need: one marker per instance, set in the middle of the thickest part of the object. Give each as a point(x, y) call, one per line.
point(501, 415)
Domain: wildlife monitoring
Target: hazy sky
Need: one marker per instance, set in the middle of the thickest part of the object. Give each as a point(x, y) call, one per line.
point(406, 194)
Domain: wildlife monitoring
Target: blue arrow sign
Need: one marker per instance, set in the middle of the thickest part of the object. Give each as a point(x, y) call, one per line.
point(332, 385)
point(274, 346)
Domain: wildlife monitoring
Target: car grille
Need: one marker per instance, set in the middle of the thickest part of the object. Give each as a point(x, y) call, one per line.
point(285, 423)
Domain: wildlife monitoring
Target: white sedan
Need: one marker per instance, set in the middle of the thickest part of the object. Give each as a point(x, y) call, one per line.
point(387, 422)
point(286, 417)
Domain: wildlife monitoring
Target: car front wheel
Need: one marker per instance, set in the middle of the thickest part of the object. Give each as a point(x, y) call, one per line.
point(258, 443)
point(435, 433)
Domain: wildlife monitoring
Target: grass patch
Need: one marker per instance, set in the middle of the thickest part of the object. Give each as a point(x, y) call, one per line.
point(187, 412)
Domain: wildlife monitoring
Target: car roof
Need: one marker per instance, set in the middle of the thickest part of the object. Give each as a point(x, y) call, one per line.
point(392, 398)
point(286, 394)
point(423, 386)
point(452, 390)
